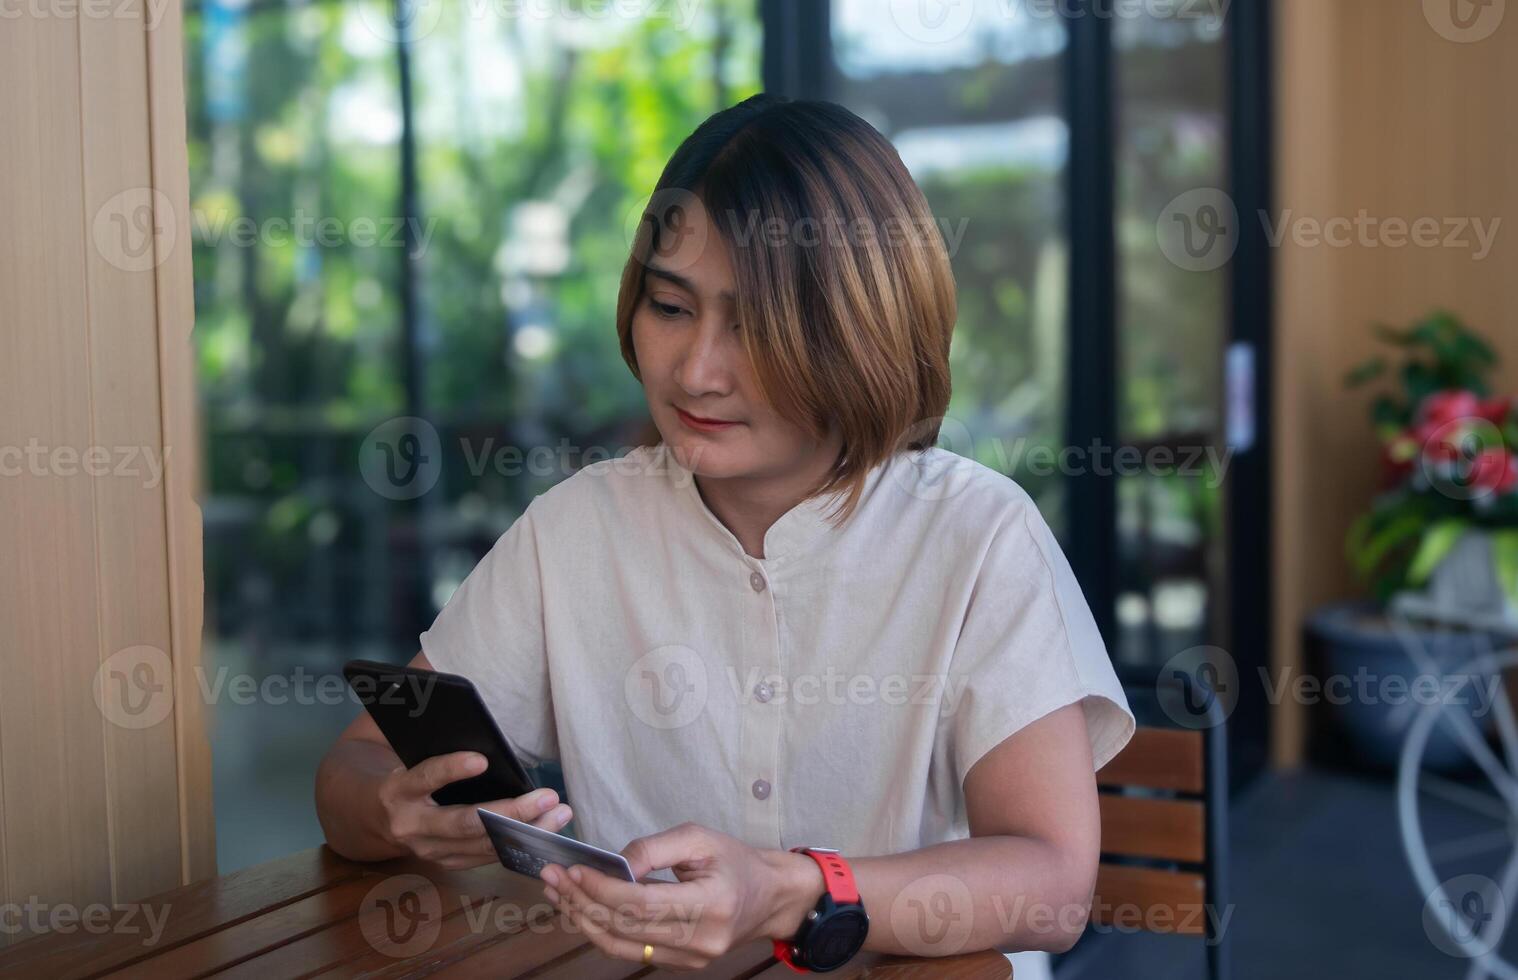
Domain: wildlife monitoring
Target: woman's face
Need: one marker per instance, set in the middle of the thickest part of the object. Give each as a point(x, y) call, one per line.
point(690, 353)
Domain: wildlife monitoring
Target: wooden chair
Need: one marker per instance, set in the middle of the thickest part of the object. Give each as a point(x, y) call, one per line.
point(1164, 802)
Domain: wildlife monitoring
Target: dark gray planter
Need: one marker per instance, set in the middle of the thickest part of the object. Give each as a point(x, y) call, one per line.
point(1368, 733)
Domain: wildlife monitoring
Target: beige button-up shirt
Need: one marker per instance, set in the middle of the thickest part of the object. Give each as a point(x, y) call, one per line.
point(835, 692)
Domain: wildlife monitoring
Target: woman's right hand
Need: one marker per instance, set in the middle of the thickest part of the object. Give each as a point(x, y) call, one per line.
point(454, 836)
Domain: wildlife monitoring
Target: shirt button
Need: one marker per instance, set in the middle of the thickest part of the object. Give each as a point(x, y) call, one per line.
point(757, 581)
point(761, 789)
point(763, 692)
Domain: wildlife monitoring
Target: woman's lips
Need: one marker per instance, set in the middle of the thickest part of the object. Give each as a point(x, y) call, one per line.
point(702, 425)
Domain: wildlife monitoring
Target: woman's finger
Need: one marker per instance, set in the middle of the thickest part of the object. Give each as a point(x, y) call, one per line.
point(596, 928)
point(646, 917)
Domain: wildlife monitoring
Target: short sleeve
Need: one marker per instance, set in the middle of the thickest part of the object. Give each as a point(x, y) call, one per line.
point(491, 631)
point(1029, 646)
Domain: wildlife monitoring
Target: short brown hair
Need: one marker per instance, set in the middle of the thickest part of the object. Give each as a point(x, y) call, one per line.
point(849, 323)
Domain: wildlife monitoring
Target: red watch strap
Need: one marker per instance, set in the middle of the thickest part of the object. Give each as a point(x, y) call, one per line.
point(783, 954)
point(839, 881)
point(836, 875)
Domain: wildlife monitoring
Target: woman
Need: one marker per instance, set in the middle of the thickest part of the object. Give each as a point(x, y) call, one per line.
point(792, 622)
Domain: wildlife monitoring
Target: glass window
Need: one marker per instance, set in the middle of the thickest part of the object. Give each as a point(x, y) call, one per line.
point(534, 134)
point(974, 107)
point(1172, 326)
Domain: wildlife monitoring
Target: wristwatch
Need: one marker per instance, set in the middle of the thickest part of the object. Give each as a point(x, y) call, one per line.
point(834, 931)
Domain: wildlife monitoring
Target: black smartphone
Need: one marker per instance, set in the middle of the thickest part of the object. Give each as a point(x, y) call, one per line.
point(424, 713)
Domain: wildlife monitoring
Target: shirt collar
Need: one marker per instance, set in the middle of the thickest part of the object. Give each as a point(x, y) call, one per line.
point(796, 531)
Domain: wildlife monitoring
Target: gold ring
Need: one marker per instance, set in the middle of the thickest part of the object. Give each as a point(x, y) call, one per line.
point(648, 953)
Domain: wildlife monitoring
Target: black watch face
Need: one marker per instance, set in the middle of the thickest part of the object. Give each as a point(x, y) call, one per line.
point(832, 941)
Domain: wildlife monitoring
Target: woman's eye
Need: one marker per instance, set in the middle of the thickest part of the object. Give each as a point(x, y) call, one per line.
point(665, 310)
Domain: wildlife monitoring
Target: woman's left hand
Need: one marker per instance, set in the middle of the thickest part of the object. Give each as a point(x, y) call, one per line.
point(728, 895)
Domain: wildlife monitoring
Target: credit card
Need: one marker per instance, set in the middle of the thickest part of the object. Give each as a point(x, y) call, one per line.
point(525, 849)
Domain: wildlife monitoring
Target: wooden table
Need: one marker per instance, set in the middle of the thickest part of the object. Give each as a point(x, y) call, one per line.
point(315, 912)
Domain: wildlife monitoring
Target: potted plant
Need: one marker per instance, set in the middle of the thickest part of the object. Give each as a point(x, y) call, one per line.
point(1439, 543)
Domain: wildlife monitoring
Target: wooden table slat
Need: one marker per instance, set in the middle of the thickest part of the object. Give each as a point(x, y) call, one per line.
point(193, 911)
point(460, 896)
point(458, 942)
point(316, 914)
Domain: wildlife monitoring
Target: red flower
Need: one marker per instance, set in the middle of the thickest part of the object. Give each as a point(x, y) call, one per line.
point(1495, 410)
point(1494, 471)
point(1444, 407)
point(1441, 441)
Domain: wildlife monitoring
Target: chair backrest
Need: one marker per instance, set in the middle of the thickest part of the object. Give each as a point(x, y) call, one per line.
point(1154, 808)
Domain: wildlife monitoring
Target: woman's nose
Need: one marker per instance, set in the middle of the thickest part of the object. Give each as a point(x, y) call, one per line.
point(704, 366)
